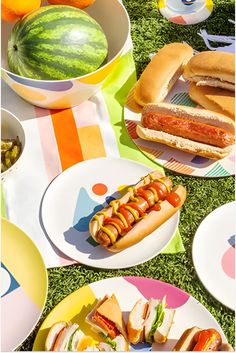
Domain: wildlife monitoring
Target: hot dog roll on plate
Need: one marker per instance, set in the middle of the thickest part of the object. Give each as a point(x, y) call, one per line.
point(198, 131)
point(145, 206)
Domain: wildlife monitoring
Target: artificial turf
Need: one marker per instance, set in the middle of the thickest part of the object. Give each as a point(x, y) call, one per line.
point(150, 31)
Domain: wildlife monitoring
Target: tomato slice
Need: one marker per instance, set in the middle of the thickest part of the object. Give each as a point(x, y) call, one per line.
point(173, 199)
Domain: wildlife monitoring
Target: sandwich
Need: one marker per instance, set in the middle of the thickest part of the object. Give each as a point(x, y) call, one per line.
point(212, 68)
point(107, 320)
point(63, 337)
point(160, 75)
point(198, 131)
point(217, 99)
point(150, 321)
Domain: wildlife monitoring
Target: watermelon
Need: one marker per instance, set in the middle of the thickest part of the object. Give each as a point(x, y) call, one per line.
point(56, 42)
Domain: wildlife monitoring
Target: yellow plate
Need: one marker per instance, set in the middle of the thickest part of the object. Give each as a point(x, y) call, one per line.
point(23, 288)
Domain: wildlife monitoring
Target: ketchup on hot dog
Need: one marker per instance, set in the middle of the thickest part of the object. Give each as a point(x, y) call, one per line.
point(145, 199)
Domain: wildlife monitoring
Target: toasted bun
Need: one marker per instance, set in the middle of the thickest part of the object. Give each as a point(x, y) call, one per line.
point(150, 223)
point(53, 333)
point(216, 99)
point(121, 344)
point(217, 65)
point(136, 321)
point(161, 73)
point(186, 342)
point(183, 144)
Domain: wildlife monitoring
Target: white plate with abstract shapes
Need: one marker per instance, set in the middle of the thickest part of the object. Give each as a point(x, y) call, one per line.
point(171, 158)
point(214, 253)
point(80, 191)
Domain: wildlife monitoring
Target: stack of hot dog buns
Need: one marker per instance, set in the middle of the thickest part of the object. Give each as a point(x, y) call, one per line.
point(197, 339)
point(198, 131)
point(212, 76)
point(144, 207)
point(160, 75)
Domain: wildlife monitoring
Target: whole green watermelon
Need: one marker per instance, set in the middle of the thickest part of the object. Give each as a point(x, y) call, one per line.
point(56, 42)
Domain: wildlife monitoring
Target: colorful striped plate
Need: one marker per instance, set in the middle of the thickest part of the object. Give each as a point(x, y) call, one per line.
point(185, 12)
point(171, 158)
point(23, 286)
point(75, 307)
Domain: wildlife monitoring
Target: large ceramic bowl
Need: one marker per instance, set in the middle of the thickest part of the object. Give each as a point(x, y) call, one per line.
point(59, 94)
point(11, 127)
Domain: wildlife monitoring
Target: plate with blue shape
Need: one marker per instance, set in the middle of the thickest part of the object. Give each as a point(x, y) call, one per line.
point(82, 190)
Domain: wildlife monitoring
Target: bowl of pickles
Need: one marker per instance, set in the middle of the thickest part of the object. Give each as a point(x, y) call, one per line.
point(12, 143)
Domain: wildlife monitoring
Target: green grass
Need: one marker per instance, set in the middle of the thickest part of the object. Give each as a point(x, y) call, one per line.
point(150, 31)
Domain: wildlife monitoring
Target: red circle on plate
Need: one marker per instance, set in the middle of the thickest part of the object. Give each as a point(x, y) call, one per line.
point(99, 189)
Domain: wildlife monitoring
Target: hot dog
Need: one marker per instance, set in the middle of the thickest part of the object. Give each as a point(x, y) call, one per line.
point(138, 213)
point(193, 130)
point(203, 340)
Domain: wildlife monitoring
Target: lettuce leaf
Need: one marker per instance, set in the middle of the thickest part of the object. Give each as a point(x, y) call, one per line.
point(109, 341)
point(157, 322)
point(70, 349)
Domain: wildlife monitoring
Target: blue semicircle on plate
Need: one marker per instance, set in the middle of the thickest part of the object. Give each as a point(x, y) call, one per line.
point(50, 86)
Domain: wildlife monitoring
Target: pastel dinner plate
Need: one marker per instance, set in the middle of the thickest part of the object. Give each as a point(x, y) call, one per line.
point(186, 12)
point(75, 195)
point(214, 253)
point(171, 158)
point(75, 307)
point(23, 286)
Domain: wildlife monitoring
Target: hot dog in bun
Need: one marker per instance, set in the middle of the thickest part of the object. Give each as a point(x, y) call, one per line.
point(145, 206)
point(212, 68)
point(193, 130)
point(106, 319)
point(150, 321)
point(197, 339)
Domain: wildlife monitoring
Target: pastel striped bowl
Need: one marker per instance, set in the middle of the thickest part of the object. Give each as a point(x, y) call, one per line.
point(61, 94)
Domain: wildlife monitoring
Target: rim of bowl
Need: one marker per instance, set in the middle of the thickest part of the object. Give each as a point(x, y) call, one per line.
point(23, 147)
point(84, 76)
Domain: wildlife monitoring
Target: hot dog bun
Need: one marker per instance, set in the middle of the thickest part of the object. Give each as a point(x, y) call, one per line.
point(212, 68)
point(147, 224)
point(161, 73)
point(201, 116)
point(186, 342)
point(213, 98)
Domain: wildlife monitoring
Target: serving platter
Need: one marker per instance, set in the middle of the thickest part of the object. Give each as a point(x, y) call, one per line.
point(75, 195)
point(23, 286)
point(171, 158)
point(76, 306)
point(214, 253)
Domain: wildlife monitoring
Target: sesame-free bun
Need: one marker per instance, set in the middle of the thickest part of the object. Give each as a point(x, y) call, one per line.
point(212, 68)
point(161, 73)
point(214, 98)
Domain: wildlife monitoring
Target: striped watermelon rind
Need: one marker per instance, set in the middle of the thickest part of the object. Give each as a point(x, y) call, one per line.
point(56, 42)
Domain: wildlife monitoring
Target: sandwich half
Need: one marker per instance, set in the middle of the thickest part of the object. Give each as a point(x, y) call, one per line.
point(150, 321)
